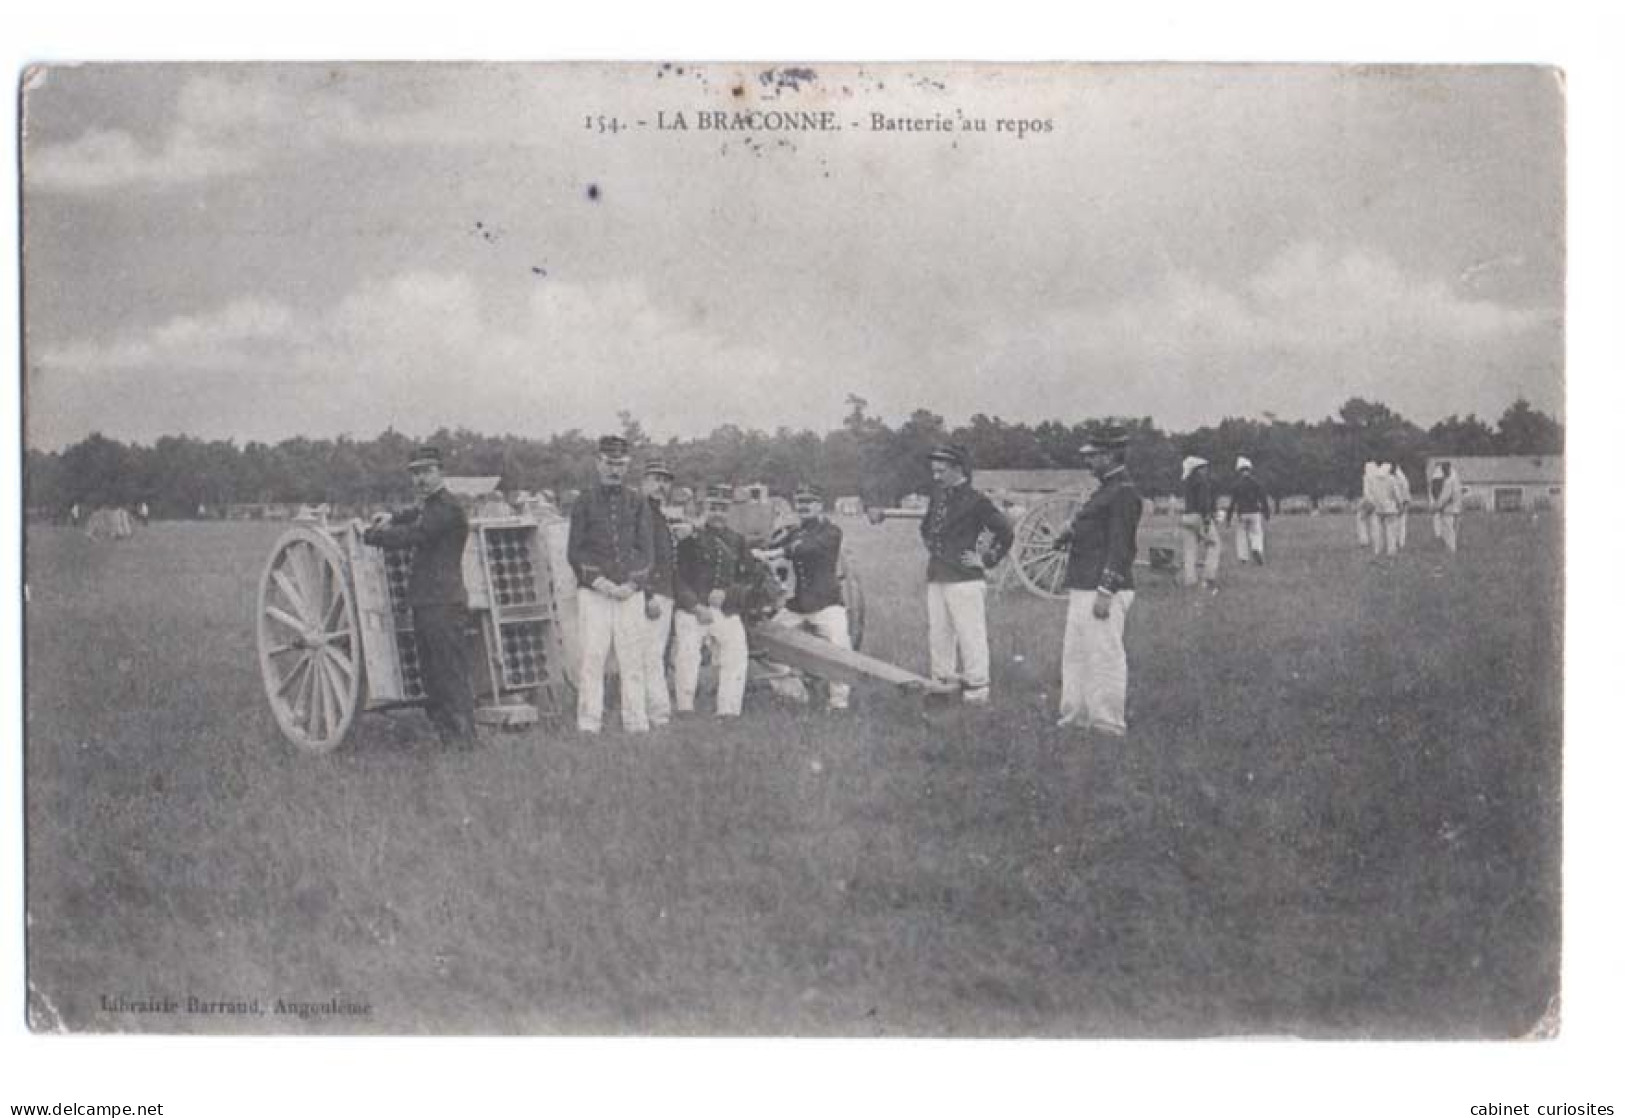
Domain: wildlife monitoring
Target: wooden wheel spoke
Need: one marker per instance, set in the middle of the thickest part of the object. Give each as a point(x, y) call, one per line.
point(285, 618)
point(301, 703)
point(291, 594)
point(341, 660)
point(318, 704)
point(337, 693)
point(330, 702)
point(299, 670)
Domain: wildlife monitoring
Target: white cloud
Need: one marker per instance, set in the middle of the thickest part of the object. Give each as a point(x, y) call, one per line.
point(226, 125)
point(1308, 329)
point(415, 351)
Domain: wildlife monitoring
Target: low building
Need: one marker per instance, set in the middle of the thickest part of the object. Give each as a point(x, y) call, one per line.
point(1503, 483)
point(1018, 490)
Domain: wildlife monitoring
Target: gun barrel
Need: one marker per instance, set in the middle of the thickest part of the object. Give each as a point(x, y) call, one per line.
point(877, 515)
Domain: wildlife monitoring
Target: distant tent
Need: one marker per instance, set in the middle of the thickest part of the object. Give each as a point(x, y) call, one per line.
point(109, 524)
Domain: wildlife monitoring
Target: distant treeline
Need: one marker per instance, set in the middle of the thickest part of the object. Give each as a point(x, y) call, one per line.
point(864, 456)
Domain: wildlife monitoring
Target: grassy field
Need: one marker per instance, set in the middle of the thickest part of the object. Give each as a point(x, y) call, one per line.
point(1337, 815)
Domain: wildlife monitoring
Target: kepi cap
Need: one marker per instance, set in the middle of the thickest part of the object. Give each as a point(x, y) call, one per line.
point(656, 467)
point(614, 446)
point(1110, 437)
point(807, 493)
point(425, 456)
point(719, 494)
point(952, 453)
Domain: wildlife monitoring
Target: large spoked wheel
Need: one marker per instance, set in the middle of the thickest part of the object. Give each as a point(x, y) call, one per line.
point(310, 645)
point(1038, 562)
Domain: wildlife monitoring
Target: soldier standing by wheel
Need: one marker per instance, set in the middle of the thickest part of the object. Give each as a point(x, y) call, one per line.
point(814, 550)
point(956, 572)
point(436, 531)
point(611, 550)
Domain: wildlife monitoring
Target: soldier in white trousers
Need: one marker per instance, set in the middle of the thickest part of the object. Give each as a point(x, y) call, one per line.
point(714, 584)
point(1249, 510)
point(1100, 546)
point(1446, 500)
point(957, 522)
point(1402, 494)
point(814, 551)
point(660, 593)
point(1197, 524)
point(610, 551)
point(1385, 500)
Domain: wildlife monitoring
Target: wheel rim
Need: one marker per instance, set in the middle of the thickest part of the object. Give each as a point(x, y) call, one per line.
point(1039, 564)
point(309, 641)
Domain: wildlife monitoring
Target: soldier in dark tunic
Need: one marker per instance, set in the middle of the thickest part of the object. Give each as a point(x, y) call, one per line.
point(436, 531)
point(965, 536)
point(813, 549)
point(717, 582)
point(1100, 589)
point(660, 593)
point(611, 551)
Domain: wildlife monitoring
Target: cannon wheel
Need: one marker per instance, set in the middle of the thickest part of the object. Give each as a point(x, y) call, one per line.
point(309, 641)
point(1039, 564)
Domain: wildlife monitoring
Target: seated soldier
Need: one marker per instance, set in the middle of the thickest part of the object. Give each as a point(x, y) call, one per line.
point(813, 547)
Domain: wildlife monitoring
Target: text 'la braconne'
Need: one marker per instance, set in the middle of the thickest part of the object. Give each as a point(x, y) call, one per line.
point(816, 120)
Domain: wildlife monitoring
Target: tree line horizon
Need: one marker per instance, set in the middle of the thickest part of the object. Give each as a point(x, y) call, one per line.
point(863, 457)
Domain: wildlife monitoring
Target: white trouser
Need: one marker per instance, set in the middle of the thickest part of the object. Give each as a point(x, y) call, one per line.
point(657, 699)
point(606, 623)
point(957, 615)
point(1201, 547)
point(1094, 665)
point(1402, 526)
point(830, 624)
point(1446, 524)
point(1249, 534)
point(1364, 521)
point(733, 655)
point(1385, 534)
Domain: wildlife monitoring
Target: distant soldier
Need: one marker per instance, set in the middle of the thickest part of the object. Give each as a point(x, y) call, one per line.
point(1402, 493)
point(144, 513)
point(813, 548)
point(436, 531)
point(1197, 524)
point(73, 514)
point(716, 583)
point(611, 551)
point(1385, 501)
point(1100, 589)
point(660, 593)
point(1446, 500)
point(1365, 513)
point(1249, 509)
point(965, 536)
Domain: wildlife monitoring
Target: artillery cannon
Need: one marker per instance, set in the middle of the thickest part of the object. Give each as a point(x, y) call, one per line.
point(335, 635)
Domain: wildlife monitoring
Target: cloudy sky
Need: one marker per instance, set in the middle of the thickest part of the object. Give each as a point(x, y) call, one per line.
point(260, 252)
